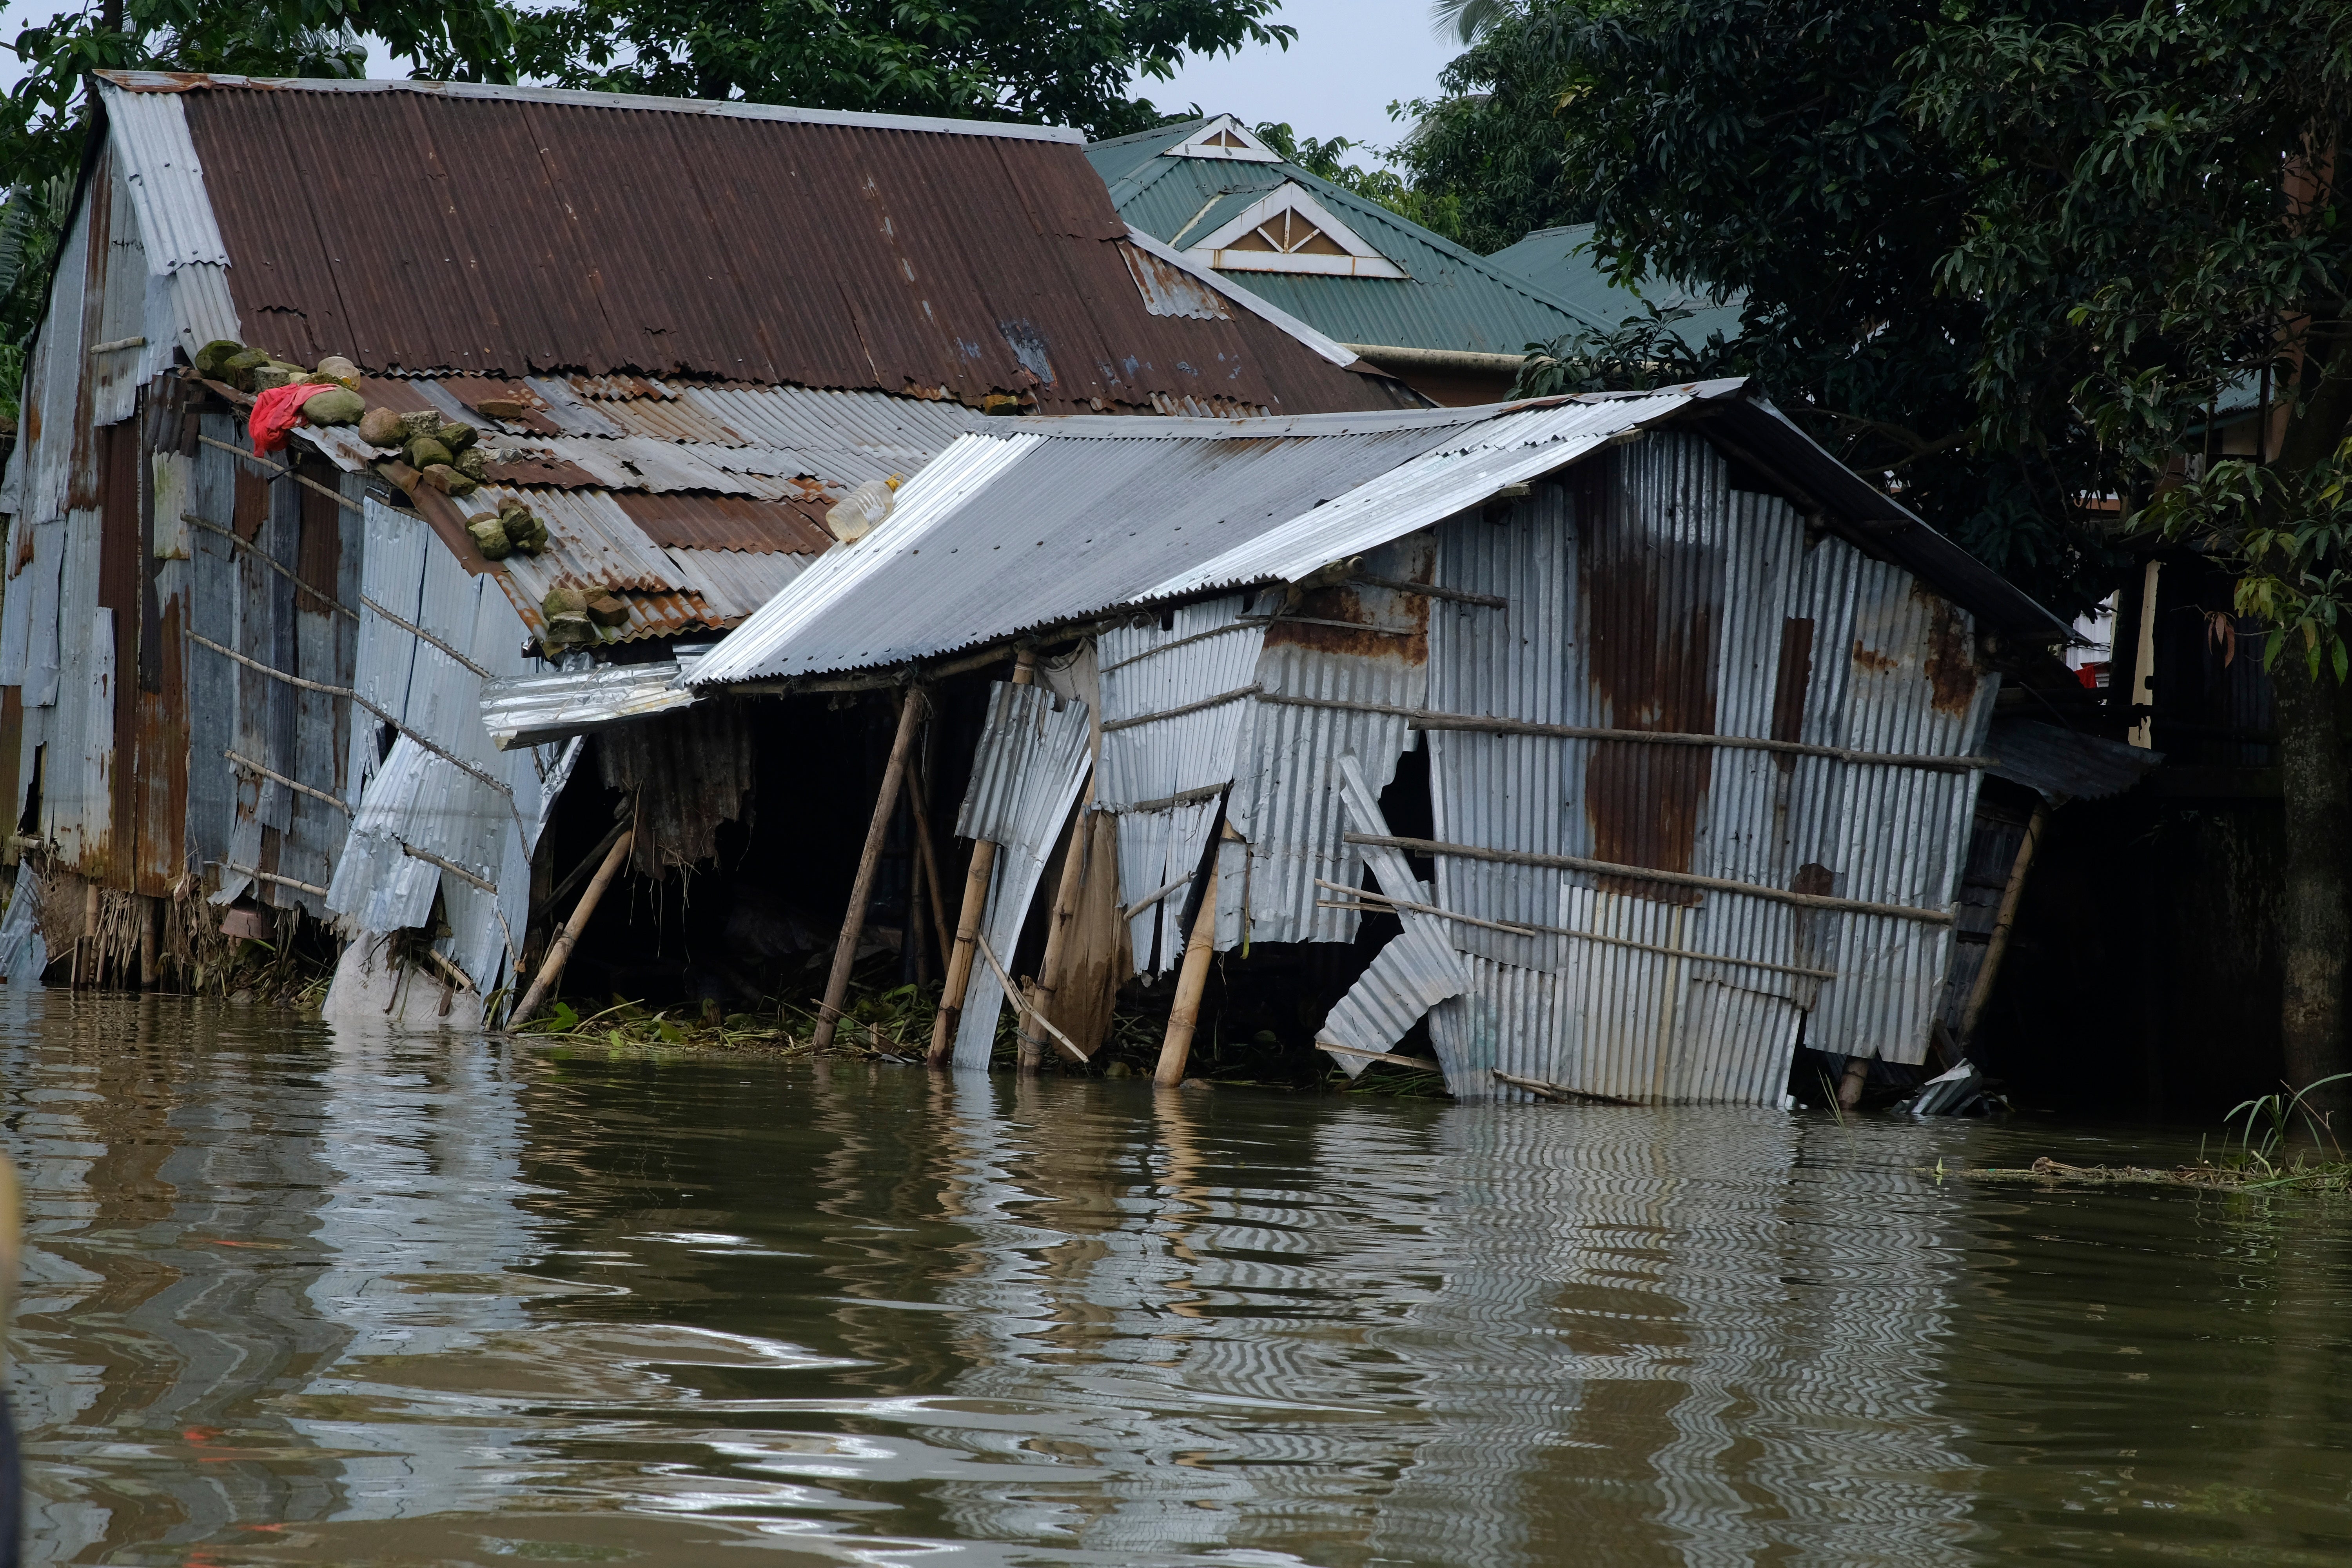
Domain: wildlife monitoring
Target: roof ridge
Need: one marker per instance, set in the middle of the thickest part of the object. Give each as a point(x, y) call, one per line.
point(727, 109)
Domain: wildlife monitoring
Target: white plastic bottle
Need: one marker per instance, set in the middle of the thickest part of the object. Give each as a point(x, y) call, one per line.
point(861, 512)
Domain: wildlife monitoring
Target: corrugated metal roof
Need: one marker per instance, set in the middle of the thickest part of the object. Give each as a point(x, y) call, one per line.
point(167, 182)
point(153, 81)
point(1449, 299)
point(605, 235)
point(2063, 765)
point(525, 709)
point(1076, 517)
point(1559, 261)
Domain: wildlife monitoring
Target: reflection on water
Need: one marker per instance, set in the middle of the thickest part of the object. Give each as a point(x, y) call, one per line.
point(297, 1298)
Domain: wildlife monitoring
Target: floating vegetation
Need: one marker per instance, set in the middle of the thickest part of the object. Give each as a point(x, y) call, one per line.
point(2255, 1154)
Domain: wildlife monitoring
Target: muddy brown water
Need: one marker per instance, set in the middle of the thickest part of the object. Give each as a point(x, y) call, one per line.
point(297, 1297)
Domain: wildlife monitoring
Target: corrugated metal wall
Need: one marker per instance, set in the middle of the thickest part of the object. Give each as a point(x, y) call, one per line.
point(409, 796)
point(1696, 609)
point(1161, 777)
point(1287, 801)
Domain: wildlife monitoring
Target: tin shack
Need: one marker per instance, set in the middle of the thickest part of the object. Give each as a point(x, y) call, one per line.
point(238, 693)
point(1612, 745)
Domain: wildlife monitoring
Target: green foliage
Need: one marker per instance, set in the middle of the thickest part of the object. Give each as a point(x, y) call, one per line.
point(1640, 353)
point(1491, 142)
point(1467, 19)
point(30, 222)
point(2153, 215)
point(1766, 147)
point(1440, 211)
point(1059, 61)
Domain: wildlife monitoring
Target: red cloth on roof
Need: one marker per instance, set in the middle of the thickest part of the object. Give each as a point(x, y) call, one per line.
point(275, 412)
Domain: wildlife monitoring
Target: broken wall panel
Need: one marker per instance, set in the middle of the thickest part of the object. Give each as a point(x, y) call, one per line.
point(1033, 757)
point(1286, 797)
point(691, 774)
point(456, 799)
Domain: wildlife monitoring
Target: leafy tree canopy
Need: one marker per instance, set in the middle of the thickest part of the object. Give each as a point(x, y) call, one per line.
point(1769, 147)
point(1490, 144)
point(1056, 61)
point(2154, 214)
point(1435, 209)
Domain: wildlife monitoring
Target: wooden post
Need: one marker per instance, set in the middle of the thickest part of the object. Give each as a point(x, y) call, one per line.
point(1998, 945)
point(861, 892)
point(975, 910)
point(1857, 1074)
point(1190, 981)
point(920, 797)
point(562, 948)
point(89, 908)
point(150, 958)
point(1057, 929)
point(919, 940)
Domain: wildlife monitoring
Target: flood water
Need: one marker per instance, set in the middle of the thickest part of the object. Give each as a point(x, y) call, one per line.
point(302, 1299)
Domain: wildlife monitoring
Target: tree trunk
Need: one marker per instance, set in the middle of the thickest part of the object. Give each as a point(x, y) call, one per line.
point(2316, 769)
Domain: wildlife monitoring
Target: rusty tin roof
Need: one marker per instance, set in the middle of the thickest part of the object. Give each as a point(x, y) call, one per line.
point(429, 228)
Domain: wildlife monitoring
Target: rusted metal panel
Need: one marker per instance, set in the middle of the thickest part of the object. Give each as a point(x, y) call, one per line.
point(94, 839)
point(728, 522)
point(158, 789)
point(86, 475)
point(1169, 289)
point(335, 238)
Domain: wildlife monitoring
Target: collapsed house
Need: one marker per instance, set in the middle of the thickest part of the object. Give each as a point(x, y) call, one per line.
point(238, 692)
point(1643, 736)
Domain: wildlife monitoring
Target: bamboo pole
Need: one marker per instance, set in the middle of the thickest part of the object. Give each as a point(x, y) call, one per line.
point(935, 890)
point(1997, 946)
point(561, 949)
point(975, 909)
point(1057, 929)
point(919, 940)
point(150, 967)
point(1190, 981)
point(861, 892)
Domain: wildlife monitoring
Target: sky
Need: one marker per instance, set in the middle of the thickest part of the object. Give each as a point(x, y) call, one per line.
point(1351, 59)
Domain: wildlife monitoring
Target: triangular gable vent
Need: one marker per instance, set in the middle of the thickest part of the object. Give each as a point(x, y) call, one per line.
point(1287, 230)
point(1222, 137)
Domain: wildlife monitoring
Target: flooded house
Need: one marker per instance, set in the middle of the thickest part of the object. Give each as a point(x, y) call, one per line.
point(239, 689)
point(1612, 746)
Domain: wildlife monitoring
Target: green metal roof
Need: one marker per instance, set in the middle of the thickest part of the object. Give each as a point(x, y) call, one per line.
point(1449, 299)
point(1559, 261)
